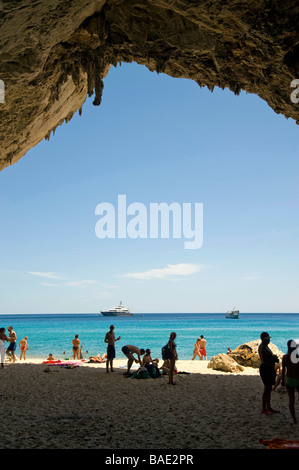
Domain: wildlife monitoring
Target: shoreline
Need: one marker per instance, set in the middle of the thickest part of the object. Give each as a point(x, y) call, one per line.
point(183, 365)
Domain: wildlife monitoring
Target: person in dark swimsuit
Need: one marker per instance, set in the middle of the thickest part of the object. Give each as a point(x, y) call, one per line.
point(76, 344)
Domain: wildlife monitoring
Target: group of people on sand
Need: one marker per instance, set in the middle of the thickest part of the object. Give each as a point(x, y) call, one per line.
point(134, 354)
point(274, 374)
point(200, 348)
point(12, 340)
point(141, 356)
point(168, 367)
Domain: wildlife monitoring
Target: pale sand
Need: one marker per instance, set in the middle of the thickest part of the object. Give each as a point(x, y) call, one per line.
point(87, 408)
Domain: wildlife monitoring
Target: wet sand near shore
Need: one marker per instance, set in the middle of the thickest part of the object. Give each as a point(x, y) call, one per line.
point(86, 408)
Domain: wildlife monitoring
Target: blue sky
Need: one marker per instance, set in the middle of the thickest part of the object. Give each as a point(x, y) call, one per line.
point(155, 139)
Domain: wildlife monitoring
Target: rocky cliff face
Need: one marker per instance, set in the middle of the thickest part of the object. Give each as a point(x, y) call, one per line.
point(54, 54)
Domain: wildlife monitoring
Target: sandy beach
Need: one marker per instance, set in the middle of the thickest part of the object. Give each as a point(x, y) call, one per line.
point(86, 408)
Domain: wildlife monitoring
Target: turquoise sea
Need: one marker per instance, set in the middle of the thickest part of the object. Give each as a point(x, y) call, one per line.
point(53, 333)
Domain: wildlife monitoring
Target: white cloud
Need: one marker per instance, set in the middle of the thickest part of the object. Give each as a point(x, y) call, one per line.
point(48, 275)
point(181, 269)
point(82, 283)
point(49, 284)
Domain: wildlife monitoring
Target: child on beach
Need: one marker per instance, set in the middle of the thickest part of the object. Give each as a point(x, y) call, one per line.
point(51, 358)
point(23, 346)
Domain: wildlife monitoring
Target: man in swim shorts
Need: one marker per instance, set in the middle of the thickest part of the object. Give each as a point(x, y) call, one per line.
point(12, 337)
point(202, 348)
point(128, 351)
point(76, 344)
point(110, 339)
point(267, 372)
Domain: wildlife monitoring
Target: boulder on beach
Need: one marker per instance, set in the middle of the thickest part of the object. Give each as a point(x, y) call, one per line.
point(224, 363)
point(247, 354)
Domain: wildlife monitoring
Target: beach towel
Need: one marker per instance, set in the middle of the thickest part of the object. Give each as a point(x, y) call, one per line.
point(278, 443)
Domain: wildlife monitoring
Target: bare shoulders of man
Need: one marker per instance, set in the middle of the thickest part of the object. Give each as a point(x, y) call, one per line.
point(110, 337)
point(133, 349)
point(12, 336)
point(147, 359)
point(202, 342)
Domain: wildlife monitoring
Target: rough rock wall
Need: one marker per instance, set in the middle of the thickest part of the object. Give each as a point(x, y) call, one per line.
point(53, 54)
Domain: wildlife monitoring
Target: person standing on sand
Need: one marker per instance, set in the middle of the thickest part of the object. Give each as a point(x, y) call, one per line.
point(23, 346)
point(202, 348)
point(3, 338)
point(12, 337)
point(290, 375)
point(173, 358)
point(267, 372)
point(196, 349)
point(129, 352)
point(76, 344)
point(110, 340)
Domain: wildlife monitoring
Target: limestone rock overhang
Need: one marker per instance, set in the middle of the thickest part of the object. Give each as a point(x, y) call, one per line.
point(55, 54)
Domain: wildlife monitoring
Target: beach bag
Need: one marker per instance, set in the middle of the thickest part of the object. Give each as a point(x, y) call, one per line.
point(153, 371)
point(166, 354)
point(141, 374)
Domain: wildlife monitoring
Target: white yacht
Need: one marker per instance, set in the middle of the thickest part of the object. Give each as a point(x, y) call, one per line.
point(119, 311)
point(232, 313)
